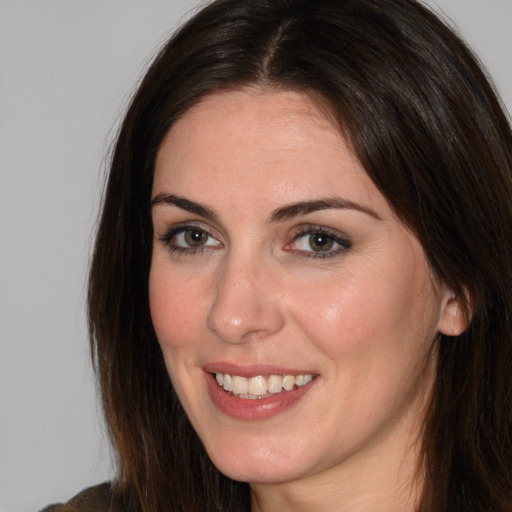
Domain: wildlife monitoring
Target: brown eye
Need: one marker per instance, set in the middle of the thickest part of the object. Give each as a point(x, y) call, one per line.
point(189, 239)
point(195, 237)
point(321, 242)
point(318, 242)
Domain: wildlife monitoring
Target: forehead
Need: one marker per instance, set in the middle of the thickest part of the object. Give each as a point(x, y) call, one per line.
point(240, 117)
point(280, 144)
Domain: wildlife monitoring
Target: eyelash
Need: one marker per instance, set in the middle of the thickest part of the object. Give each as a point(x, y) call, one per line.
point(168, 237)
point(343, 242)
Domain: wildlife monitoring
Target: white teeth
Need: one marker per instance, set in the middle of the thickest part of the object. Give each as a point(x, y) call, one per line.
point(275, 384)
point(299, 380)
point(240, 385)
point(227, 385)
point(258, 386)
point(288, 382)
point(302, 380)
point(248, 396)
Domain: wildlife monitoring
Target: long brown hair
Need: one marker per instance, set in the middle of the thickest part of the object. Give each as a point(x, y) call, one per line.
point(431, 134)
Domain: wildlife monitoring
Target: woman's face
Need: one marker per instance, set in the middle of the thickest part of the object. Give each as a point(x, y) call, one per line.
point(280, 271)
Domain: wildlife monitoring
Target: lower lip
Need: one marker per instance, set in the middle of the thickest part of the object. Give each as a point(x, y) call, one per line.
point(259, 409)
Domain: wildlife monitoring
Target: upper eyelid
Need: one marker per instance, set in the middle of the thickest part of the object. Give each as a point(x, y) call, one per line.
point(297, 230)
point(183, 226)
point(345, 242)
point(170, 234)
point(295, 233)
point(314, 228)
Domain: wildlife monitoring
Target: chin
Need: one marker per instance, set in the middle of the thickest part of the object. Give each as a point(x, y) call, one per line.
point(255, 461)
point(255, 472)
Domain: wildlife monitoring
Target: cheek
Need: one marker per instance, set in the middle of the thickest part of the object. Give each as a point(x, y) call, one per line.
point(174, 306)
point(382, 307)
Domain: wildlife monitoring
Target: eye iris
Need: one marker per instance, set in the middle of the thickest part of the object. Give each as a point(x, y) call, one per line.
point(195, 237)
point(321, 242)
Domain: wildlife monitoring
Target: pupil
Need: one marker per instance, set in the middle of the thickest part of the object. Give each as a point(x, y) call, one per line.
point(321, 242)
point(194, 237)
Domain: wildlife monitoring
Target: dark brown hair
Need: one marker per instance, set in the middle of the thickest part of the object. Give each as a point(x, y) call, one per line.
point(431, 134)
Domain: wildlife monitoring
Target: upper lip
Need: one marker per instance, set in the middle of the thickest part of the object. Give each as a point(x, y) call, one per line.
point(253, 370)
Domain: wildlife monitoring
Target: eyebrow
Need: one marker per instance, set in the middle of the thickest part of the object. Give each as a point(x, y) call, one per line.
point(305, 207)
point(185, 204)
point(282, 213)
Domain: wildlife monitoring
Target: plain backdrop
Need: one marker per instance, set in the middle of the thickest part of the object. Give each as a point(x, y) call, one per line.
point(67, 70)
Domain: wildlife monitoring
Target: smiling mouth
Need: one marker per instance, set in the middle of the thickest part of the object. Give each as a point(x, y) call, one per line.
point(258, 387)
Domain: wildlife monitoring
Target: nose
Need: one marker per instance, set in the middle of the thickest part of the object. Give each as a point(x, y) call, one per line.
point(245, 306)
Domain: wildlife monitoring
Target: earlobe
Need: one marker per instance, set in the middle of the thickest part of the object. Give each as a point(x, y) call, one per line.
point(454, 318)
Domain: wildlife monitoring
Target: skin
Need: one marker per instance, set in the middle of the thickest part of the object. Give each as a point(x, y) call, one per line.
point(364, 318)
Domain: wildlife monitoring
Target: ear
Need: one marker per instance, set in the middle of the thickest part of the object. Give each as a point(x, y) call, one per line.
point(453, 318)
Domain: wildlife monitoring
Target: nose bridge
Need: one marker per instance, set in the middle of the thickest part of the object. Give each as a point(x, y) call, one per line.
point(244, 307)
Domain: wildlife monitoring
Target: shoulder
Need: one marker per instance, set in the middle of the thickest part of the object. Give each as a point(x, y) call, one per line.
point(93, 499)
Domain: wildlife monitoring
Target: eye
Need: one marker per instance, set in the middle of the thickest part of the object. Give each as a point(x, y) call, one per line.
point(189, 239)
point(319, 242)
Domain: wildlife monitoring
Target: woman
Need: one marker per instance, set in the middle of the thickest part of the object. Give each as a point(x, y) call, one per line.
point(300, 296)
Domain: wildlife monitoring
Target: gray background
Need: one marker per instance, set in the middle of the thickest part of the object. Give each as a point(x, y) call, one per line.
point(66, 72)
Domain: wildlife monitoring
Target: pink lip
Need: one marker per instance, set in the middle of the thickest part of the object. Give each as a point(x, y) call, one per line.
point(264, 408)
